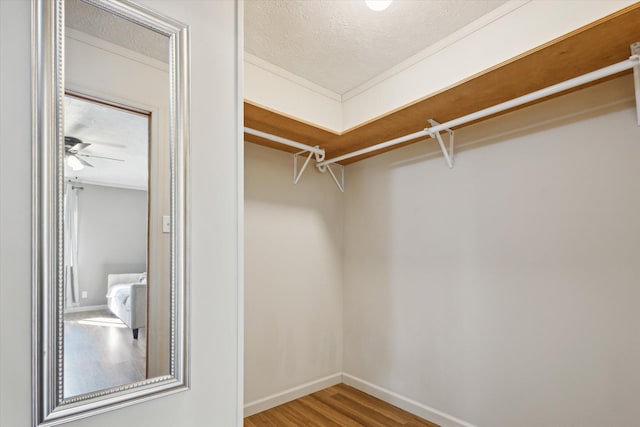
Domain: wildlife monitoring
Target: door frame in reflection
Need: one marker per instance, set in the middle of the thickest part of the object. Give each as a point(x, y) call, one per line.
point(147, 115)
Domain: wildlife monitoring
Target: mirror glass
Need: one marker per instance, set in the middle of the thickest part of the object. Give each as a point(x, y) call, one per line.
point(105, 246)
point(110, 185)
point(116, 328)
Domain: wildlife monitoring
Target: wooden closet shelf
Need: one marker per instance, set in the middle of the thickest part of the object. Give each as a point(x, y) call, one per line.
point(597, 45)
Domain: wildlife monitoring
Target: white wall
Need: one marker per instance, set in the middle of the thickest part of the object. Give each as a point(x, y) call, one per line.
point(275, 88)
point(293, 274)
point(215, 397)
point(504, 292)
point(15, 220)
point(112, 237)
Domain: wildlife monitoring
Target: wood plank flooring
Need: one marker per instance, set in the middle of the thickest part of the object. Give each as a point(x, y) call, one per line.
point(100, 352)
point(337, 406)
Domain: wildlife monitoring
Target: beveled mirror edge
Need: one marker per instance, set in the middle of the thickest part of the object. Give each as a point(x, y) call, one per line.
point(48, 407)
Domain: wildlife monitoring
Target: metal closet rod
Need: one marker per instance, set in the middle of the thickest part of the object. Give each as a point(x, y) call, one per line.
point(533, 96)
point(285, 141)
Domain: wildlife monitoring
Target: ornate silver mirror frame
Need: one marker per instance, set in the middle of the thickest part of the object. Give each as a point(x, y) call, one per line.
point(50, 407)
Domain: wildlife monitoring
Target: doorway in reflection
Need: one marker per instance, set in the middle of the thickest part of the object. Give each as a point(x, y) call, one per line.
point(105, 245)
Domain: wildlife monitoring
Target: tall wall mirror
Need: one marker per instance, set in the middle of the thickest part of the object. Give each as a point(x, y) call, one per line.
point(110, 223)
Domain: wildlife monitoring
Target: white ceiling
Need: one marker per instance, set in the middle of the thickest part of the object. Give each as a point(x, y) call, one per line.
point(113, 133)
point(342, 44)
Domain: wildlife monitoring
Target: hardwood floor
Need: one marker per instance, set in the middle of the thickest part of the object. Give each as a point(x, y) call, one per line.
point(341, 406)
point(100, 352)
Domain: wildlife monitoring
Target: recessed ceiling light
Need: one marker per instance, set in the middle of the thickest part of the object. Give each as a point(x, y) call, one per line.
point(378, 5)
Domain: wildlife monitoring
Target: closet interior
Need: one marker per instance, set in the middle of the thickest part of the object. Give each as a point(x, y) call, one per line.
point(470, 257)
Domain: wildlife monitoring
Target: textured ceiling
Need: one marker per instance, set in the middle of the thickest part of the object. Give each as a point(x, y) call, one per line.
point(106, 26)
point(113, 133)
point(341, 44)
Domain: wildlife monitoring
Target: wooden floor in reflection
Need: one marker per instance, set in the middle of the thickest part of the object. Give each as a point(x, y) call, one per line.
point(100, 352)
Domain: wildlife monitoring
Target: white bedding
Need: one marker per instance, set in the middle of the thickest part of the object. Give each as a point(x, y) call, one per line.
point(121, 293)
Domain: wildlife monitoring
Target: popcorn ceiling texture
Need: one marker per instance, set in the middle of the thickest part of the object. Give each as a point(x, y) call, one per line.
point(97, 23)
point(112, 133)
point(340, 45)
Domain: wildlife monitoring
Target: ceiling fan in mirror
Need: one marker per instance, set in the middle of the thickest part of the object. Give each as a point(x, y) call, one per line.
point(73, 156)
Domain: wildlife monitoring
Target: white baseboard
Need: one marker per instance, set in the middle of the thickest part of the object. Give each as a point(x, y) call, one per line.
point(85, 308)
point(291, 394)
point(416, 408)
point(409, 405)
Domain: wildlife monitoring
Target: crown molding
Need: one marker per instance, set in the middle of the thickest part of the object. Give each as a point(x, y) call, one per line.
point(458, 35)
point(281, 72)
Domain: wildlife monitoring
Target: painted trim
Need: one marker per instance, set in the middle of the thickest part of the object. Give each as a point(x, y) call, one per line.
point(458, 35)
point(115, 49)
point(80, 181)
point(86, 308)
point(455, 37)
point(287, 75)
point(282, 94)
point(403, 402)
point(274, 400)
point(239, 87)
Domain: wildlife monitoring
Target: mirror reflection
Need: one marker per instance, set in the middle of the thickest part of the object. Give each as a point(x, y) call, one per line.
point(116, 198)
point(105, 226)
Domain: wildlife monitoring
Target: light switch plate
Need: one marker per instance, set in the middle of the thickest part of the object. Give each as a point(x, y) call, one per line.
point(166, 224)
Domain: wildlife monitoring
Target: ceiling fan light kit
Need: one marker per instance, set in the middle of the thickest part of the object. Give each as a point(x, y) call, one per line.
point(74, 163)
point(72, 148)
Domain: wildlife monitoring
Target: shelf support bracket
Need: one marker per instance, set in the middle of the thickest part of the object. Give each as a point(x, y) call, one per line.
point(339, 182)
point(297, 174)
point(635, 53)
point(448, 154)
point(330, 168)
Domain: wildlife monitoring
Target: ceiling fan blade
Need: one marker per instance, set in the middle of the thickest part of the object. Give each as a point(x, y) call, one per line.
point(78, 147)
point(83, 161)
point(100, 157)
point(110, 144)
point(73, 130)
